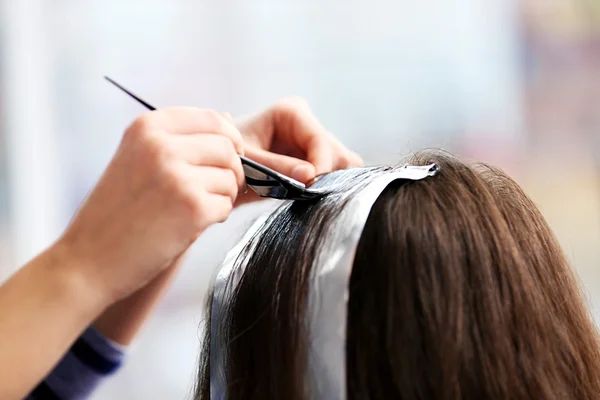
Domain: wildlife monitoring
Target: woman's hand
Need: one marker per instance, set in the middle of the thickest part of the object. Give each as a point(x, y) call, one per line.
point(285, 137)
point(176, 172)
point(288, 138)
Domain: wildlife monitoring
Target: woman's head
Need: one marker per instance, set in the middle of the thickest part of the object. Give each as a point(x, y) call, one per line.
point(458, 291)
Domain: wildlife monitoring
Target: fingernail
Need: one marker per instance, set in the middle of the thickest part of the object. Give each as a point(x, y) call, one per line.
point(303, 172)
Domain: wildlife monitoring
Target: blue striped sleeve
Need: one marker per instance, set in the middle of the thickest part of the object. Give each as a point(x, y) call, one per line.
point(88, 362)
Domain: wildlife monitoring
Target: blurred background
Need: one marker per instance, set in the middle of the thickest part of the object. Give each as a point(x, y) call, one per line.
point(515, 83)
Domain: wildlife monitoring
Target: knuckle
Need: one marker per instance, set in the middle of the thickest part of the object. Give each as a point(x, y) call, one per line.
point(213, 119)
point(207, 210)
point(232, 183)
point(225, 147)
point(191, 200)
point(154, 150)
point(197, 211)
point(174, 182)
point(229, 176)
point(238, 174)
point(228, 149)
point(237, 138)
point(194, 203)
point(293, 104)
point(233, 162)
point(319, 141)
point(226, 208)
point(210, 113)
point(142, 126)
point(222, 126)
point(238, 169)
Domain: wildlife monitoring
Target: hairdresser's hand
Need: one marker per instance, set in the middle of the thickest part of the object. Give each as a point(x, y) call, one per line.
point(288, 138)
point(176, 172)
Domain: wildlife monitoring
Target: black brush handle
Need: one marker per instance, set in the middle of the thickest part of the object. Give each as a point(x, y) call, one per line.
point(148, 106)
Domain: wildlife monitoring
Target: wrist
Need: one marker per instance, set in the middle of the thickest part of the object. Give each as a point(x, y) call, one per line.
point(73, 281)
point(45, 306)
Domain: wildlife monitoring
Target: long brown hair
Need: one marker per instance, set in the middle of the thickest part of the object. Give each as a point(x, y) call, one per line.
point(459, 290)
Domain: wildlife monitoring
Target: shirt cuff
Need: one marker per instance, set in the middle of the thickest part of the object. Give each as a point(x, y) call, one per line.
point(88, 362)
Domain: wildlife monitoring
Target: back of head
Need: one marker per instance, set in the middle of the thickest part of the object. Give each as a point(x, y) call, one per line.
point(459, 290)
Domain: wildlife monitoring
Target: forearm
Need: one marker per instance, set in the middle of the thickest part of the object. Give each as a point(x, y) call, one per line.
point(44, 307)
point(122, 321)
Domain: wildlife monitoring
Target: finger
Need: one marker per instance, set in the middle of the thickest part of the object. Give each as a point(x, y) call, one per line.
point(294, 121)
point(219, 207)
point(347, 159)
point(207, 149)
point(355, 160)
point(322, 154)
point(189, 120)
point(297, 126)
point(214, 180)
point(204, 149)
point(228, 117)
point(293, 167)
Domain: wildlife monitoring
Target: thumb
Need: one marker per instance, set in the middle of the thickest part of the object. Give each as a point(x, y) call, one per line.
point(295, 168)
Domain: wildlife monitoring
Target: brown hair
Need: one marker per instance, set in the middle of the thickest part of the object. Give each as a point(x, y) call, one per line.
point(459, 290)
